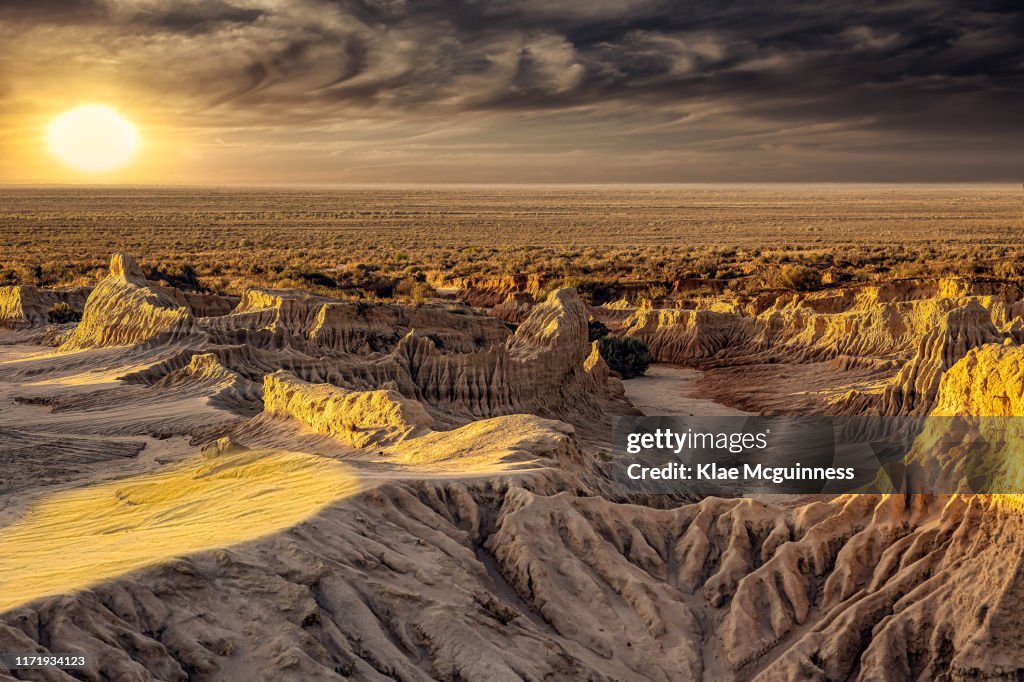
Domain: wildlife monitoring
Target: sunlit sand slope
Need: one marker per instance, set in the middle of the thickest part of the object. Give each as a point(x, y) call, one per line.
point(74, 539)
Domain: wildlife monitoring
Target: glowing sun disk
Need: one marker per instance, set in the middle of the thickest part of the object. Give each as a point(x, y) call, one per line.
point(93, 137)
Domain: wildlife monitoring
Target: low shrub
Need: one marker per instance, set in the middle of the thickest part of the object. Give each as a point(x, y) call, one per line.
point(414, 290)
point(626, 355)
point(62, 313)
point(792, 277)
point(596, 331)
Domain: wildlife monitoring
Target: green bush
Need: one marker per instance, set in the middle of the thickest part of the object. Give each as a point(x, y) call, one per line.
point(626, 355)
point(62, 313)
point(594, 293)
point(596, 331)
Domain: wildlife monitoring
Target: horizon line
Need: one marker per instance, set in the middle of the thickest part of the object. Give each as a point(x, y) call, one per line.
point(464, 185)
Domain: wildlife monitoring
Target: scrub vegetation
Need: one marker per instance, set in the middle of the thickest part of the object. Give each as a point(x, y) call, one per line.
point(608, 242)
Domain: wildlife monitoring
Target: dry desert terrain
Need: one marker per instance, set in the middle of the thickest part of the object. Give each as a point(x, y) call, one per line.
point(364, 434)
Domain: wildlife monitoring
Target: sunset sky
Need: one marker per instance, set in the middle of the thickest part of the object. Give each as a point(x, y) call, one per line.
point(366, 91)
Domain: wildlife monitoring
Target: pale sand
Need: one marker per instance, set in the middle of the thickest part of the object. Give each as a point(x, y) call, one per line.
point(73, 539)
point(668, 391)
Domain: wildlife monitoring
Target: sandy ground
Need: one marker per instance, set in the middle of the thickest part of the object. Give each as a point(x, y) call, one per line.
point(666, 390)
point(75, 539)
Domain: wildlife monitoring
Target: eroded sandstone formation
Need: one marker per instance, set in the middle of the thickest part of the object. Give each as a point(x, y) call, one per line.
point(27, 306)
point(474, 532)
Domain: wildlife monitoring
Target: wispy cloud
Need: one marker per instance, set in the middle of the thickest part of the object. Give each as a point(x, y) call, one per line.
point(830, 91)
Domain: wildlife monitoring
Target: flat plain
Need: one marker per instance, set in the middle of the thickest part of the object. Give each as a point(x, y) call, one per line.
point(233, 238)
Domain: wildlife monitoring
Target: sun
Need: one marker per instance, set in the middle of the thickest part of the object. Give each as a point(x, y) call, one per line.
point(94, 138)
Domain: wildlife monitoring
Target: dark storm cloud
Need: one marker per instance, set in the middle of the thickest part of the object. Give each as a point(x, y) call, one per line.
point(786, 54)
point(919, 67)
point(201, 17)
point(57, 11)
point(792, 58)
